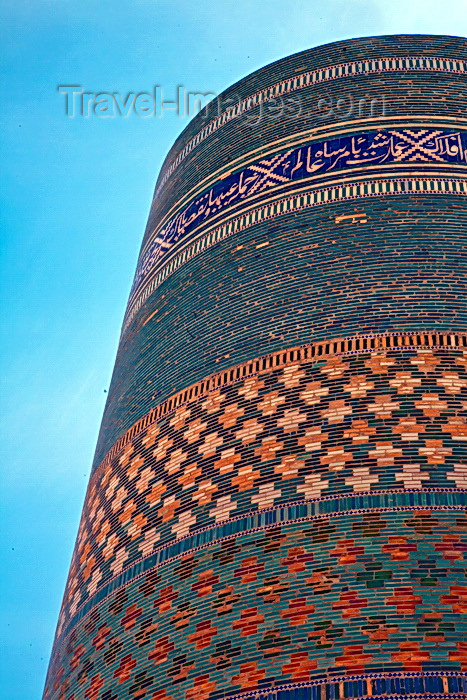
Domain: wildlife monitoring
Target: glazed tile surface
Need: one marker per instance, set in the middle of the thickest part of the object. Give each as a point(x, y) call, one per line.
point(277, 506)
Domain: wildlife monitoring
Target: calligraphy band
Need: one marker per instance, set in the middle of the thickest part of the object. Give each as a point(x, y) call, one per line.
point(395, 146)
point(296, 201)
point(342, 70)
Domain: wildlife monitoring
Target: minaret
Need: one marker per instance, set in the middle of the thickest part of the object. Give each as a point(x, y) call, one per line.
point(277, 505)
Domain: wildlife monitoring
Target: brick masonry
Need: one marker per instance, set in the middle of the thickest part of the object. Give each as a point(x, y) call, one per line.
point(277, 504)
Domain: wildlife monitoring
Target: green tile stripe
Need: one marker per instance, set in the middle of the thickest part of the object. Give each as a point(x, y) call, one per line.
point(299, 511)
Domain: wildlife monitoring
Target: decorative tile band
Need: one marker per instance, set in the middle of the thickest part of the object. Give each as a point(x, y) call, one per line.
point(360, 422)
point(377, 686)
point(300, 511)
point(278, 207)
point(372, 148)
point(341, 70)
point(352, 596)
point(290, 527)
point(312, 352)
point(311, 135)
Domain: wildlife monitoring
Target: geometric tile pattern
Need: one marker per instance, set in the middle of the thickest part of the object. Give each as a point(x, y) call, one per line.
point(306, 510)
point(277, 509)
point(362, 599)
point(280, 359)
point(346, 424)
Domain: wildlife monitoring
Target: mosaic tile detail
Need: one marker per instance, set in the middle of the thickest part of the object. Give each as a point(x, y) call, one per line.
point(279, 207)
point(302, 353)
point(300, 157)
point(317, 157)
point(293, 526)
point(392, 685)
point(343, 505)
point(368, 421)
point(376, 597)
point(402, 63)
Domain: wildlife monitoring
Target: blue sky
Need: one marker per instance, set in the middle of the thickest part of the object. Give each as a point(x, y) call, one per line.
point(74, 202)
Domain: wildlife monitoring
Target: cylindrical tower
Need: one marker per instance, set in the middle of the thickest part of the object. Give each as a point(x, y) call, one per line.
point(277, 503)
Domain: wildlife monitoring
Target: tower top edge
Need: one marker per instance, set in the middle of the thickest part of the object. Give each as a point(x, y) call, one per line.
point(327, 55)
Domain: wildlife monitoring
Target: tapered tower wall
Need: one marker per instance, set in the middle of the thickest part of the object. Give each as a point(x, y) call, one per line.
point(277, 502)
